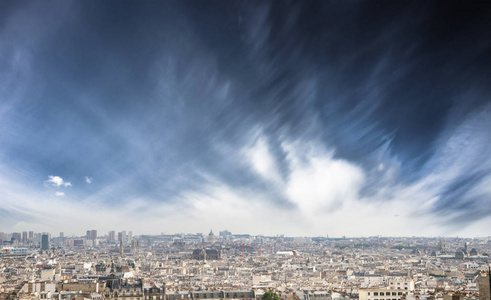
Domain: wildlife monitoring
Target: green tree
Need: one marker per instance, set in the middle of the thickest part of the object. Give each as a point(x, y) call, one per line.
point(270, 295)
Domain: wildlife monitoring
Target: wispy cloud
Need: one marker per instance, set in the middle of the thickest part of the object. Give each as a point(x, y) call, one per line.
point(308, 123)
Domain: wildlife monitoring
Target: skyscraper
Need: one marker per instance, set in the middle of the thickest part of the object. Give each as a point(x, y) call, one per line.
point(112, 236)
point(31, 235)
point(45, 242)
point(24, 237)
point(123, 237)
point(93, 234)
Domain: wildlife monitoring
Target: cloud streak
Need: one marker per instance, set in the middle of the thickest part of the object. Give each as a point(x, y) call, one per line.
point(295, 118)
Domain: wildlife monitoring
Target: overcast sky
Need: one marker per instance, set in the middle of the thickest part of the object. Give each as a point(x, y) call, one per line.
point(299, 118)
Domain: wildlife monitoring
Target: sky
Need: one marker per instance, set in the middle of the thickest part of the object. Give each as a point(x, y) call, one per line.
point(303, 118)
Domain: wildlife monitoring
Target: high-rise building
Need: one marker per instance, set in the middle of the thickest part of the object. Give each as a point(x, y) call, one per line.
point(62, 235)
point(24, 237)
point(88, 234)
point(130, 236)
point(120, 237)
point(31, 235)
point(112, 236)
point(16, 236)
point(45, 241)
point(123, 237)
point(93, 234)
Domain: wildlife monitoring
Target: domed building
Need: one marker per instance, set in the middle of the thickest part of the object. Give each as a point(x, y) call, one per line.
point(210, 238)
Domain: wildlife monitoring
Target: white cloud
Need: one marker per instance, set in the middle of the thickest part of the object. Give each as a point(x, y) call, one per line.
point(318, 182)
point(88, 179)
point(59, 194)
point(57, 181)
point(261, 160)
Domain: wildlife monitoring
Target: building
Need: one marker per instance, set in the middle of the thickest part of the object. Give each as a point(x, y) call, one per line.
point(45, 241)
point(14, 252)
point(382, 294)
point(211, 237)
point(24, 237)
point(84, 287)
point(206, 254)
point(112, 236)
point(122, 289)
point(401, 284)
point(123, 237)
point(225, 233)
point(484, 285)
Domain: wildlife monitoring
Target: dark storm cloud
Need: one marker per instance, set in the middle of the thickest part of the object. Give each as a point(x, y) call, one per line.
point(156, 96)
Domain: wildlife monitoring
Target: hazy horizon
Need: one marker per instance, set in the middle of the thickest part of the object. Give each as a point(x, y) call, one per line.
point(355, 118)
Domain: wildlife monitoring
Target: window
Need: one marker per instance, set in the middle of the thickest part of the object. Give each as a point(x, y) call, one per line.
point(368, 293)
point(393, 293)
point(399, 293)
point(376, 294)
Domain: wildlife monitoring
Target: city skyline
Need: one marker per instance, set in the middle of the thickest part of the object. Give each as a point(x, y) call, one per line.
point(305, 119)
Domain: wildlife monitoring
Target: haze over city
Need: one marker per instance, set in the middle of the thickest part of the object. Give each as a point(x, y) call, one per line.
point(355, 118)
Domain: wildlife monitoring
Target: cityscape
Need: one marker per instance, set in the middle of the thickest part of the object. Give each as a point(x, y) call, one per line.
point(119, 265)
point(245, 150)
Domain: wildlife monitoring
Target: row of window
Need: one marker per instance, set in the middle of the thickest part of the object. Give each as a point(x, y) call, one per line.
point(385, 294)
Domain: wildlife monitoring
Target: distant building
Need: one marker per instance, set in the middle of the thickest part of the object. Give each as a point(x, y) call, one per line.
point(459, 255)
point(112, 236)
point(210, 238)
point(123, 237)
point(206, 254)
point(225, 233)
point(45, 242)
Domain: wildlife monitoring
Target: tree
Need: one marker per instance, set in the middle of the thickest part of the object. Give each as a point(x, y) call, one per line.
point(270, 295)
